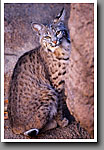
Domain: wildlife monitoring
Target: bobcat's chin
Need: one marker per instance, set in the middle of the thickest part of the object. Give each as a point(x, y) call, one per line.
point(53, 48)
point(50, 48)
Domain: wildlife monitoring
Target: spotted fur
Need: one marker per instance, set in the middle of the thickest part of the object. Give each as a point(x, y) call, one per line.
point(37, 87)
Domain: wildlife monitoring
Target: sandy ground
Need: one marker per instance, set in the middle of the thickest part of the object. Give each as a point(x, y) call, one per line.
point(72, 131)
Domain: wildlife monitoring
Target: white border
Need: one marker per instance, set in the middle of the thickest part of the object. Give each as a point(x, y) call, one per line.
point(95, 71)
point(50, 1)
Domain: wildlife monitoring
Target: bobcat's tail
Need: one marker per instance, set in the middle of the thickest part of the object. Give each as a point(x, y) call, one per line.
point(32, 132)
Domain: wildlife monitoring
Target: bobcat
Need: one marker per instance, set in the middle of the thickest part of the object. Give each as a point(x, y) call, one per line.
point(37, 86)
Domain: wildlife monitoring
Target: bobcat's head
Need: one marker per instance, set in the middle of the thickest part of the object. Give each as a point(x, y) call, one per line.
point(53, 35)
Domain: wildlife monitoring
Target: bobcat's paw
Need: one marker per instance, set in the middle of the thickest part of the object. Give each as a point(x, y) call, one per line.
point(63, 123)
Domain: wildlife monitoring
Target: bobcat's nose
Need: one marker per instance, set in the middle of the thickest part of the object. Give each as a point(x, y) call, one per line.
point(54, 42)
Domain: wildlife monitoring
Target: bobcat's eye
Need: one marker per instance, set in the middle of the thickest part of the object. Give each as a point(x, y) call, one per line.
point(47, 37)
point(58, 32)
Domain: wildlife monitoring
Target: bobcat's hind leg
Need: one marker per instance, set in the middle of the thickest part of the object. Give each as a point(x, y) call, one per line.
point(41, 119)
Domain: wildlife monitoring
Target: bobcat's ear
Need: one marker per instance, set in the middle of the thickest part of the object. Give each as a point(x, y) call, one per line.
point(60, 16)
point(37, 27)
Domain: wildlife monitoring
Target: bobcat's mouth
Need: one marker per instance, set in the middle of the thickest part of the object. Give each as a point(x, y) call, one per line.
point(54, 45)
point(52, 48)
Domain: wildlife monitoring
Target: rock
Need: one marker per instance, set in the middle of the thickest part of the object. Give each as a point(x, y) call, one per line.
point(81, 68)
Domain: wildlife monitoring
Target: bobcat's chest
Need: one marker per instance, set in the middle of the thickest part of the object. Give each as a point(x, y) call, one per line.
point(58, 52)
point(57, 63)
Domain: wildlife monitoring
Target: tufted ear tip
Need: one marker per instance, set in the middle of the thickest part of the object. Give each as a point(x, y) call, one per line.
point(60, 16)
